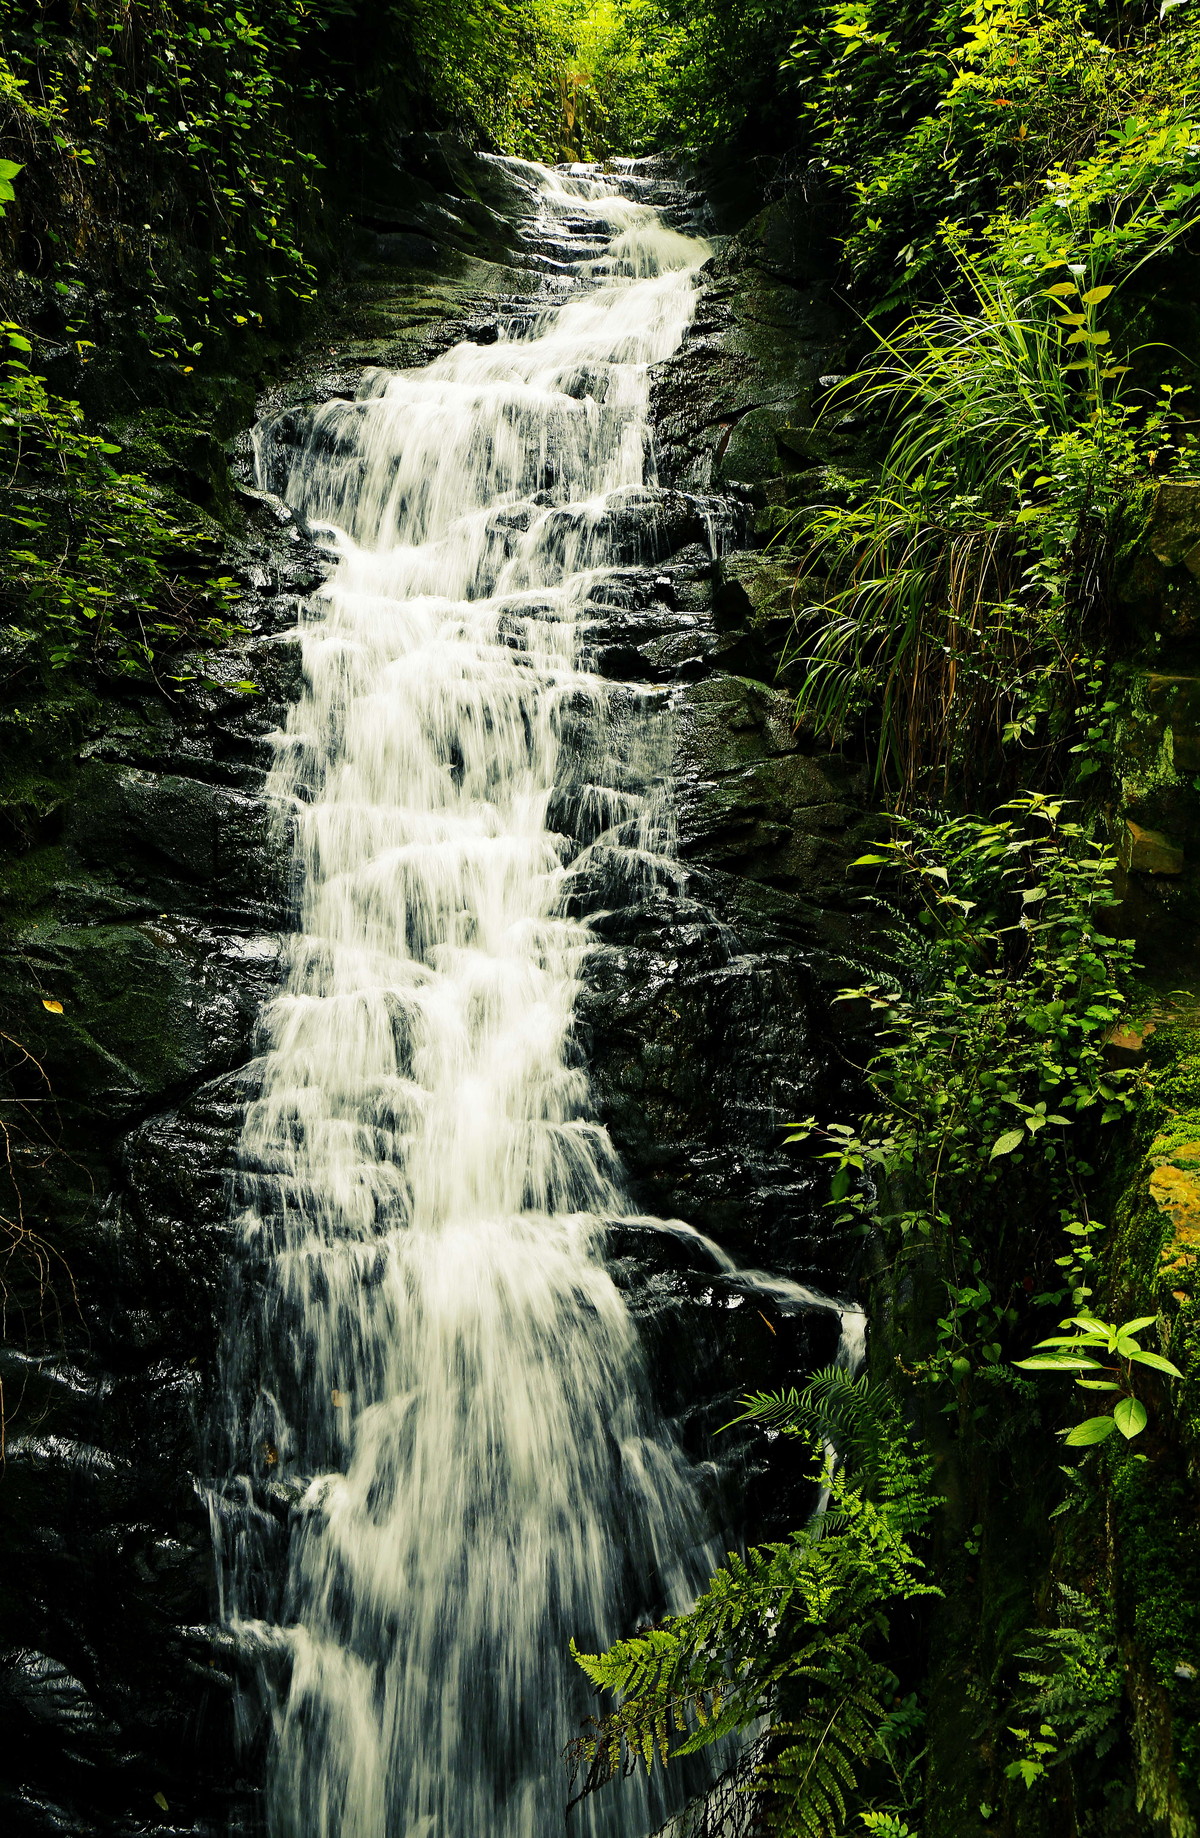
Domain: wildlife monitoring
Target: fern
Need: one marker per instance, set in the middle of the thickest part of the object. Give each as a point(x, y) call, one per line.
point(829, 1744)
point(785, 1631)
point(1075, 1680)
point(863, 1424)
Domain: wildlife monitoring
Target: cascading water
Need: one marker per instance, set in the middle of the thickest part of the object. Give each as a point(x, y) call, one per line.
point(441, 1353)
point(439, 1377)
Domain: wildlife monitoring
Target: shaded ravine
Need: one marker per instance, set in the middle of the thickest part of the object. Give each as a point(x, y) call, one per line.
point(428, 1360)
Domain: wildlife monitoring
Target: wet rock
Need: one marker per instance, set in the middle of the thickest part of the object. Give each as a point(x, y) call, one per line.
point(746, 382)
point(753, 589)
point(1145, 851)
point(1157, 577)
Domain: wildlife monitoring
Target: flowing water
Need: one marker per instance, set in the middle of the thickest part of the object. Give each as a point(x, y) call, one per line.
point(445, 1386)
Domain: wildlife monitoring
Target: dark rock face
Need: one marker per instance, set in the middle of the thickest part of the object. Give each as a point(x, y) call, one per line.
point(148, 910)
point(737, 403)
point(153, 923)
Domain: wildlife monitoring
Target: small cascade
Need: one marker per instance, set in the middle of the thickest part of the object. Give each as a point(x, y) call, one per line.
point(446, 1462)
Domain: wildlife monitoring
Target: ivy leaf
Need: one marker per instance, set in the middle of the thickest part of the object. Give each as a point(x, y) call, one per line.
point(1096, 1429)
point(1004, 1145)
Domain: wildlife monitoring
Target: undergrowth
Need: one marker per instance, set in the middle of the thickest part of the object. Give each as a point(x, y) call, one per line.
point(792, 1630)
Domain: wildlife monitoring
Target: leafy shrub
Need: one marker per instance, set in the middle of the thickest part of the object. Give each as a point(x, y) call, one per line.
point(934, 115)
point(991, 1072)
point(99, 572)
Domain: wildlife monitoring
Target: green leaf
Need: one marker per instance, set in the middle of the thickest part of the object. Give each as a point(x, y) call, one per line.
point(1129, 1415)
point(1004, 1145)
point(1157, 1363)
point(1058, 1362)
point(1095, 1429)
point(9, 169)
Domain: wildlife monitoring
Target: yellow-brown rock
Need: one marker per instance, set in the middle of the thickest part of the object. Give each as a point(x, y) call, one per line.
point(1176, 1192)
point(1148, 851)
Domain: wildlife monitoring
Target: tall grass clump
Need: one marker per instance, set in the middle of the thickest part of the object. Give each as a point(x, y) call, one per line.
point(944, 611)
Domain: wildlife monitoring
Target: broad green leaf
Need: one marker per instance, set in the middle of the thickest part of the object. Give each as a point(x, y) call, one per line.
point(1135, 1327)
point(1095, 1429)
point(1094, 295)
point(9, 169)
point(1129, 1415)
point(1004, 1145)
point(1057, 1362)
point(1157, 1363)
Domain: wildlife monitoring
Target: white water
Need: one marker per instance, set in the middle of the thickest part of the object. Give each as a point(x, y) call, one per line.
point(443, 1357)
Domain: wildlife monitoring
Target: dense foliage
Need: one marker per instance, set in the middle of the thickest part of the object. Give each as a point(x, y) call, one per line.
point(1015, 197)
point(172, 171)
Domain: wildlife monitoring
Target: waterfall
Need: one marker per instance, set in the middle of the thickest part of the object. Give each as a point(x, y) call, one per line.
point(434, 1379)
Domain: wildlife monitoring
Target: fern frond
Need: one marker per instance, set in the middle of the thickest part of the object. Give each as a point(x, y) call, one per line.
point(785, 1630)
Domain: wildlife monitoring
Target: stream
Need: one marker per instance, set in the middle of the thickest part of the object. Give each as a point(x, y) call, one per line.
point(428, 1361)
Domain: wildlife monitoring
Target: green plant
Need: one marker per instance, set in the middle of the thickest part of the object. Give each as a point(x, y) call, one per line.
point(990, 1061)
point(788, 1630)
point(1072, 1674)
point(99, 571)
point(1038, 1750)
point(930, 115)
point(952, 598)
point(1075, 1352)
